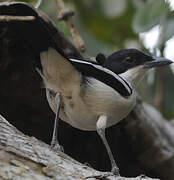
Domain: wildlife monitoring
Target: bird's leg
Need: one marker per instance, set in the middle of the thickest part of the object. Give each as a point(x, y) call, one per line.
point(101, 126)
point(54, 142)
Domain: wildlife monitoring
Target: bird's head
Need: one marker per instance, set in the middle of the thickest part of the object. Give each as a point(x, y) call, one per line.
point(123, 60)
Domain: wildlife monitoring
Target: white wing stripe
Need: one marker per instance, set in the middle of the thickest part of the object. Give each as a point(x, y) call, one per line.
point(121, 79)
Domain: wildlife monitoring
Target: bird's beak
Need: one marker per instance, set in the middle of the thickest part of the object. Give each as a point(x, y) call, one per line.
point(157, 62)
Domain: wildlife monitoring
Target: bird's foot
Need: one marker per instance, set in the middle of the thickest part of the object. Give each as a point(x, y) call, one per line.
point(56, 146)
point(115, 171)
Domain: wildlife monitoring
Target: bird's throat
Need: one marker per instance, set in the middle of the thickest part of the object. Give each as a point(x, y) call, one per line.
point(134, 76)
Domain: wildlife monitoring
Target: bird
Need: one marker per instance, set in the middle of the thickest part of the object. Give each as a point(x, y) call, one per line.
point(90, 96)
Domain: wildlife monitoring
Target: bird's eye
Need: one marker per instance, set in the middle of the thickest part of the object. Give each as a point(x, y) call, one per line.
point(130, 60)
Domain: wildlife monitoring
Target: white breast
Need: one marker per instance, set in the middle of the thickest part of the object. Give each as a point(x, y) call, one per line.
point(83, 109)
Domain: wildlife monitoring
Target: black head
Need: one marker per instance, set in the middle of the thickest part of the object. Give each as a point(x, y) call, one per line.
point(120, 61)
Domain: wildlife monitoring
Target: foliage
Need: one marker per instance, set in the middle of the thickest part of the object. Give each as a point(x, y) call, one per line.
point(149, 15)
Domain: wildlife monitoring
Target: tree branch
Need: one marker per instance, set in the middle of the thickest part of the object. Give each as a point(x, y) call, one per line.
point(66, 14)
point(26, 157)
point(152, 139)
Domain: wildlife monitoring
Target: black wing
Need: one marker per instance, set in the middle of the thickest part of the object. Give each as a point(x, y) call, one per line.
point(104, 75)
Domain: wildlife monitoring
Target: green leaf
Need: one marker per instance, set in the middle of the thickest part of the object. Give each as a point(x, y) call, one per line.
point(35, 3)
point(108, 30)
point(168, 27)
point(150, 15)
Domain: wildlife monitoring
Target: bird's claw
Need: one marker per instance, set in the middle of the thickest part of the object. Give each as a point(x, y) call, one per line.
point(56, 146)
point(115, 171)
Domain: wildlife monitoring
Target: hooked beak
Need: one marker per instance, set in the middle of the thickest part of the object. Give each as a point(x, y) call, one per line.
point(157, 62)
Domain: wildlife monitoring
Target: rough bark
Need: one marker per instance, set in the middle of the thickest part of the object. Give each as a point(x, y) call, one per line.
point(153, 139)
point(142, 143)
point(23, 157)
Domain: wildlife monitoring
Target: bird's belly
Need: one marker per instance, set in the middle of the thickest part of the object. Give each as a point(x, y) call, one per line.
point(81, 108)
point(79, 117)
point(84, 116)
